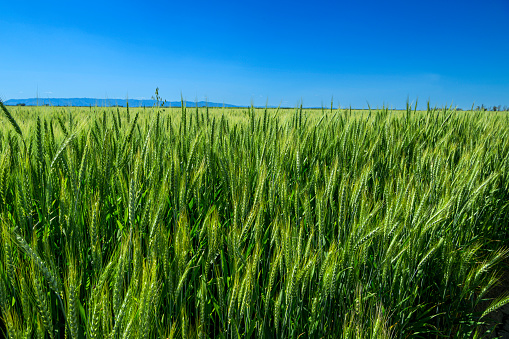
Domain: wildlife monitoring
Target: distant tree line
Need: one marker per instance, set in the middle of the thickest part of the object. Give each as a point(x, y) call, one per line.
point(492, 108)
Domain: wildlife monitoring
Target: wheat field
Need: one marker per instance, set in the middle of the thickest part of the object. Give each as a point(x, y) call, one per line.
point(266, 223)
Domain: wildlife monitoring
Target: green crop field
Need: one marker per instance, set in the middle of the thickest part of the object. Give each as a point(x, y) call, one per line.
point(227, 223)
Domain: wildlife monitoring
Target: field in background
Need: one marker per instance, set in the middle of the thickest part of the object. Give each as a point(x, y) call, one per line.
point(250, 222)
point(26, 115)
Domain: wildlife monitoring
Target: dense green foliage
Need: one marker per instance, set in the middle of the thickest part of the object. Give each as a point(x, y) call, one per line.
point(191, 223)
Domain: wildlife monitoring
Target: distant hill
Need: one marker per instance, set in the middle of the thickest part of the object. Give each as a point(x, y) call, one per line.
point(106, 102)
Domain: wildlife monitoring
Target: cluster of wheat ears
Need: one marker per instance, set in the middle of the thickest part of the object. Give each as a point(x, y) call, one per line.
point(159, 223)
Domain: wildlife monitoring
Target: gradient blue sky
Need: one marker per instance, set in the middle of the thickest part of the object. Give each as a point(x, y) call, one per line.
point(238, 52)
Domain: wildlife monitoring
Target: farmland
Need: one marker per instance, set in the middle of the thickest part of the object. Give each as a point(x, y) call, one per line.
point(197, 223)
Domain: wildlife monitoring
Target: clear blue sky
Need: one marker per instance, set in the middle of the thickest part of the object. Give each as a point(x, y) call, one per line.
point(240, 52)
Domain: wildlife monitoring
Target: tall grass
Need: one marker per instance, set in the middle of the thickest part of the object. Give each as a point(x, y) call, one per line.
point(251, 223)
